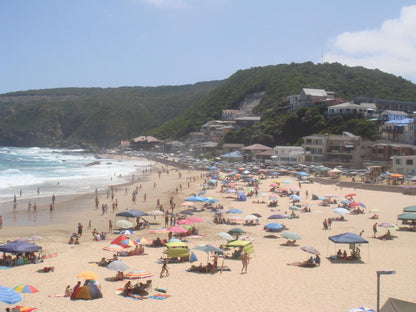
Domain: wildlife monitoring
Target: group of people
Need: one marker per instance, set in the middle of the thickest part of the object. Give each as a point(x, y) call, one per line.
point(313, 261)
point(19, 259)
point(354, 254)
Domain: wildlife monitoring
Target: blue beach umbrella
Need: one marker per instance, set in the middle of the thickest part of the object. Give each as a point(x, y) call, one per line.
point(9, 295)
point(273, 226)
point(235, 210)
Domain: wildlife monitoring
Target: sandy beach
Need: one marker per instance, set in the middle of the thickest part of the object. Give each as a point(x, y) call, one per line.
point(270, 283)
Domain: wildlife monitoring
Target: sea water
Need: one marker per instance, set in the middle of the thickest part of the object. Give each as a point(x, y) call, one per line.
point(38, 173)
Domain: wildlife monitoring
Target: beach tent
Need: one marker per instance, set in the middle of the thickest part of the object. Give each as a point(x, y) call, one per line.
point(87, 292)
point(118, 240)
point(177, 249)
point(246, 245)
point(242, 196)
point(315, 197)
point(348, 238)
point(19, 247)
point(397, 305)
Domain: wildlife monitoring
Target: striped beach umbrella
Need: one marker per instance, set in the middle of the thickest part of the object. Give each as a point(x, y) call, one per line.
point(133, 274)
point(25, 289)
point(126, 232)
point(143, 240)
point(9, 295)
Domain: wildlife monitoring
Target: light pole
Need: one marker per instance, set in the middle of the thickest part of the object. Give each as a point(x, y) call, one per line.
point(384, 272)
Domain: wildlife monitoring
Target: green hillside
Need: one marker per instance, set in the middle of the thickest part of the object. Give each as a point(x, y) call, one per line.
point(91, 116)
point(103, 117)
point(278, 82)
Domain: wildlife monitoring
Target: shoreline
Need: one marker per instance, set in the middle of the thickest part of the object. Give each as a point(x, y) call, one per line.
point(269, 273)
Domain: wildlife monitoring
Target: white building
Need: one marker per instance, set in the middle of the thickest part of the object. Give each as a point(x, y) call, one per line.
point(365, 110)
point(404, 164)
point(287, 155)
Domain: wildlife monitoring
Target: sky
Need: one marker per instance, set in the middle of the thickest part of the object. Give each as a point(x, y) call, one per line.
point(113, 43)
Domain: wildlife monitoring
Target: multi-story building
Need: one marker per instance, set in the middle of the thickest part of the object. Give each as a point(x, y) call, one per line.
point(288, 155)
point(315, 147)
point(405, 165)
point(310, 97)
point(364, 110)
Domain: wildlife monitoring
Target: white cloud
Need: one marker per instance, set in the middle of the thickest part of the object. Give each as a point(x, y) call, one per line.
point(167, 4)
point(390, 48)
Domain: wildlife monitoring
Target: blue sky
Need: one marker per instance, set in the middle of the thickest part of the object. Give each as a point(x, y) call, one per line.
point(112, 43)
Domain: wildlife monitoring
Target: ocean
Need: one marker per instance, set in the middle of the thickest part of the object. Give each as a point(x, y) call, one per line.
point(38, 173)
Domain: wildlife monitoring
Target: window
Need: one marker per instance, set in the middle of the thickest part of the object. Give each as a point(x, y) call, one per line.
point(398, 161)
point(409, 162)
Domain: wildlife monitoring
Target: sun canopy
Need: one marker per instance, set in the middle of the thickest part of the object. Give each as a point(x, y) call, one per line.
point(246, 245)
point(410, 209)
point(19, 247)
point(348, 238)
point(404, 216)
point(396, 305)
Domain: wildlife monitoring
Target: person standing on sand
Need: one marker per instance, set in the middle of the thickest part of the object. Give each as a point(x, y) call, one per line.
point(245, 259)
point(164, 268)
point(110, 226)
point(375, 229)
point(79, 229)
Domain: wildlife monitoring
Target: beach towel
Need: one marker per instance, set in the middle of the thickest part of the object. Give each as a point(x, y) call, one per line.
point(158, 297)
point(136, 298)
point(58, 296)
point(4, 267)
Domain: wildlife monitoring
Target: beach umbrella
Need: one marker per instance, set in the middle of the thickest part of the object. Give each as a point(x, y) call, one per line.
point(341, 210)
point(127, 243)
point(88, 275)
point(143, 240)
point(250, 217)
point(114, 248)
point(407, 216)
point(177, 229)
point(213, 200)
point(9, 295)
point(295, 197)
point(137, 274)
point(362, 205)
point(225, 236)
point(409, 209)
point(354, 204)
point(236, 231)
point(273, 197)
point(131, 213)
point(388, 225)
point(117, 265)
point(304, 174)
point(235, 210)
point(124, 224)
point(24, 288)
point(273, 226)
point(310, 250)
point(209, 248)
point(346, 201)
point(277, 216)
point(257, 215)
point(274, 185)
point(351, 195)
point(126, 232)
point(294, 208)
point(197, 199)
point(287, 181)
point(291, 235)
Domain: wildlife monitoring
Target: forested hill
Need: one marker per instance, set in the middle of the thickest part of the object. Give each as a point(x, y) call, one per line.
point(279, 81)
point(91, 116)
point(103, 117)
